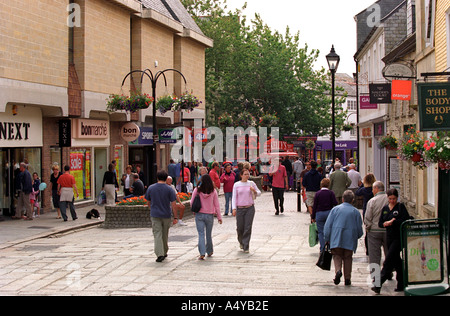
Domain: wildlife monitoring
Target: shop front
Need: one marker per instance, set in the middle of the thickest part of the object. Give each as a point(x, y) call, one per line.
point(20, 141)
point(88, 156)
point(141, 153)
point(344, 151)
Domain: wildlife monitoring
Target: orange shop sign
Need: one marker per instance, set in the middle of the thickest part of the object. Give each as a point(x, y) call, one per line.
point(401, 90)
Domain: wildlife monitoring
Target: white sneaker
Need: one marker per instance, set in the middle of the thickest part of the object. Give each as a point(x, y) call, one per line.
point(181, 223)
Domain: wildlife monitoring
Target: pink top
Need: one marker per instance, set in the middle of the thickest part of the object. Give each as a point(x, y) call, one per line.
point(278, 180)
point(210, 203)
point(242, 195)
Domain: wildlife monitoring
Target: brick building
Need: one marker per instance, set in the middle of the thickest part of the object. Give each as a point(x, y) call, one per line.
point(60, 60)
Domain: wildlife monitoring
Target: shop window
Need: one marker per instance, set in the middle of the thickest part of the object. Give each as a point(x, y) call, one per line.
point(80, 168)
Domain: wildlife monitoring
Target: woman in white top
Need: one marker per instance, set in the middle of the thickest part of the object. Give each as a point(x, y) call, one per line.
point(244, 193)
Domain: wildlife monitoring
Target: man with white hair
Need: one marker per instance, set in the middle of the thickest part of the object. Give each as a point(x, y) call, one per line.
point(339, 181)
point(355, 176)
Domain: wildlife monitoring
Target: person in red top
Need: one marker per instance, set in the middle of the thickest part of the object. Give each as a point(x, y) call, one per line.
point(227, 178)
point(186, 178)
point(279, 184)
point(214, 174)
point(66, 185)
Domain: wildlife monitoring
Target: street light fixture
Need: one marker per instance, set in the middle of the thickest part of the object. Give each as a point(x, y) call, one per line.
point(333, 60)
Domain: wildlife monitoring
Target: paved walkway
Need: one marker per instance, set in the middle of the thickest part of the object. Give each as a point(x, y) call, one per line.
point(96, 261)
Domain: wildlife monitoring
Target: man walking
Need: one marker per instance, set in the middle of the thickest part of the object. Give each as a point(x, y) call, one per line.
point(343, 228)
point(376, 236)
point(66, 185)
point(160, 198)
point(339, 182)
point(25, 188)
point(311, 182)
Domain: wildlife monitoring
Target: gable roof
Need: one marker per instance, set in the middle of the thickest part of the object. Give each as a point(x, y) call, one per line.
point(173, 9)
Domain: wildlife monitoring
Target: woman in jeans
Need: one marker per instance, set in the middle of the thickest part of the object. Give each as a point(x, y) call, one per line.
point(204, 219)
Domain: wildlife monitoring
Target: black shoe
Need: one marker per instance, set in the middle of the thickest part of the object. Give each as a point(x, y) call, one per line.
point(160, 259)
point(337, 278)
point(277, 213)
point(348, 282)
point(282, 210)
point(376, 289)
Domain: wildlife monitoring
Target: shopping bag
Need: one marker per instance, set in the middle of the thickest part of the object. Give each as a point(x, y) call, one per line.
point(101, 199)
point(313, 235)
point(325, 257)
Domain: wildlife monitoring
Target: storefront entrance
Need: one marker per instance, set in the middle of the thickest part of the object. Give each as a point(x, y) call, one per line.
point(10, 158)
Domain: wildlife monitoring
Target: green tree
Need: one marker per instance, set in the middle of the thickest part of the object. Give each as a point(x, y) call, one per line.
point(253, 68)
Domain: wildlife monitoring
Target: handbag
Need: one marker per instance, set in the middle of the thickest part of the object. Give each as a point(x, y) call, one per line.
point(313, 235)
point(325, 257)
point(196, 204)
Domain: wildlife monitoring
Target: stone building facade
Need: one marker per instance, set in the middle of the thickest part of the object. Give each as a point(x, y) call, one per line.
point(61, 59)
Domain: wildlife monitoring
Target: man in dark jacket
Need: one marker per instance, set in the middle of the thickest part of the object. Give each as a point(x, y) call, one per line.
point(311, 182)
point(25, 187)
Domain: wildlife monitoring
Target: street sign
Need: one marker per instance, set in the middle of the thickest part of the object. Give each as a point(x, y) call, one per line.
point(424, 262)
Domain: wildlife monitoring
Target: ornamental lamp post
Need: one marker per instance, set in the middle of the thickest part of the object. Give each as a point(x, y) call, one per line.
point(333, 60)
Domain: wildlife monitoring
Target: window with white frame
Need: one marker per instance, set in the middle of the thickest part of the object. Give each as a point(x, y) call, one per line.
point(430, 10)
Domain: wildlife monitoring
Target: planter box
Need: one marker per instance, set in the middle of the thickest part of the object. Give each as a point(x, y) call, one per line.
point(127, 217)
point(135, 216)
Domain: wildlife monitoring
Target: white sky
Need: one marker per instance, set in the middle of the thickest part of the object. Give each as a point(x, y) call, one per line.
point(321, 23)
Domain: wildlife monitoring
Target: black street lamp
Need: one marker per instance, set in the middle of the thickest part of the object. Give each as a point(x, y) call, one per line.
point(154, 80)
point(333, 60)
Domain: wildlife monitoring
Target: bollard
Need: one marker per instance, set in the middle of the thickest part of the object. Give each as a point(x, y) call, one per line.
point(299, 196)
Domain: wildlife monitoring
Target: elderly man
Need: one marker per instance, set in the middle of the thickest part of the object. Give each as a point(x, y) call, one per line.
point(342, 230)
point(339, 181)
point(376, 236)
point(355, 176)
point(24, 188)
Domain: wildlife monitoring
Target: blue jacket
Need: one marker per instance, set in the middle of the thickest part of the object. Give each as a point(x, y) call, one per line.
point(343, 227)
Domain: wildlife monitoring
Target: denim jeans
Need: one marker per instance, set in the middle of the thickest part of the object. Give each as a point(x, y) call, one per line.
point(321, 218)
point(228, 197)
point(204, 223)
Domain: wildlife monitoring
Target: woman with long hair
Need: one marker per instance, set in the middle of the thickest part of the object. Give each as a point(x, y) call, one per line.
point(204, 219)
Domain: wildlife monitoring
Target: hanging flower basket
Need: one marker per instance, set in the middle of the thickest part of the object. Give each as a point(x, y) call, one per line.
point(310, 144)
point(389, 142)
point(133, 103)
point(347, 128)
point(268, 120)
point(437, 150)
point(412, 149)
point(186, 102)
point(225, 120)
point(165, 104)
point(245, 119)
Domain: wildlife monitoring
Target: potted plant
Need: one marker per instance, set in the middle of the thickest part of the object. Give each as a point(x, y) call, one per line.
point(165, 103)
point(389, 142)
point(186, 102)
point(412, 148)
point(116, 102)
point(437, 150)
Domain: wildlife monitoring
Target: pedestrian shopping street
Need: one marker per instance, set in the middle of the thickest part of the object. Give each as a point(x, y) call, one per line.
point(96, 261)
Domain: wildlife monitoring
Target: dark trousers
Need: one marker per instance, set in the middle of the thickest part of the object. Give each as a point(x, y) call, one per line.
point(63, 207)
point(244, 223)
point(393, 262)
point(278, 196)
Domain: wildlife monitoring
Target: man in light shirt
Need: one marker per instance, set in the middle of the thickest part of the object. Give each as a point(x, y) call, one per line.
point(355, 176)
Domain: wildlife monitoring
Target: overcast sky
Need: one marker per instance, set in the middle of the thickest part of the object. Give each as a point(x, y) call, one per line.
point(321, 23)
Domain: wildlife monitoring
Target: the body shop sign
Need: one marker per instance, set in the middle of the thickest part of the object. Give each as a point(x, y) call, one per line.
point(434, 106)
point(91, 129)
